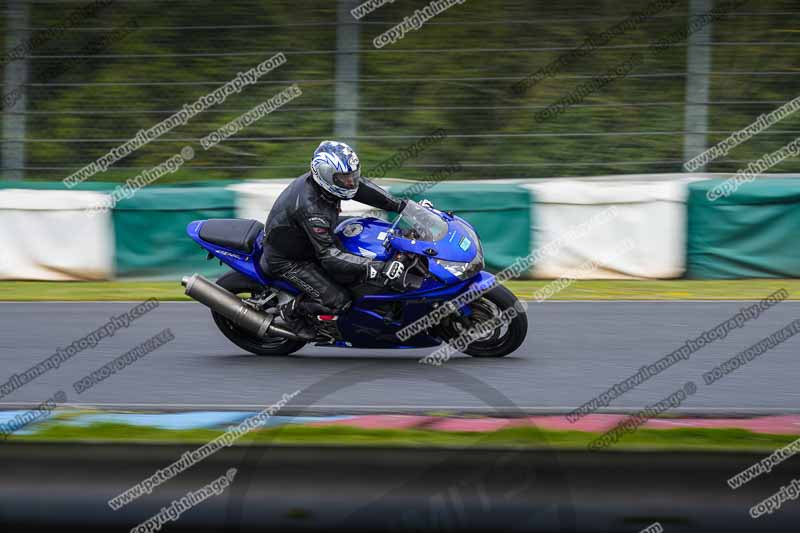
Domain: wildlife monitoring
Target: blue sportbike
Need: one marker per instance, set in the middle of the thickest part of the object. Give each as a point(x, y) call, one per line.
point(443, 257)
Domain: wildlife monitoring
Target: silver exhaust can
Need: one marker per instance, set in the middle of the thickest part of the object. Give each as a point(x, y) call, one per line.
point(231, 307)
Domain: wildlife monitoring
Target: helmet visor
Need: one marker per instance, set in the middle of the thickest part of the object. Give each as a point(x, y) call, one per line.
point(348, 180)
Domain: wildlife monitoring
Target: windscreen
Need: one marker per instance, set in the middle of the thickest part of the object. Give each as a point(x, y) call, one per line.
point(419, 223)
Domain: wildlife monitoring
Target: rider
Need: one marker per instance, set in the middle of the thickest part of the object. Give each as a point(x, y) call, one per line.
point(299, 241)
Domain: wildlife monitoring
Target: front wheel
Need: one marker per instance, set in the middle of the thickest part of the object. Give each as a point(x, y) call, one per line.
point(499, 305)
point(244, 287)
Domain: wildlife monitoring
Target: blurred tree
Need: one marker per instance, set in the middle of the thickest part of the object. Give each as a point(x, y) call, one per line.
point(455, 72)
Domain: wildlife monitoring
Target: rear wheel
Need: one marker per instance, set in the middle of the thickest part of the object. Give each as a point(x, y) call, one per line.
point(502, 340)
point(245, 288)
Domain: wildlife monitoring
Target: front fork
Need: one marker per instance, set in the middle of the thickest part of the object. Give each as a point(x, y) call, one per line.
point(462, 320)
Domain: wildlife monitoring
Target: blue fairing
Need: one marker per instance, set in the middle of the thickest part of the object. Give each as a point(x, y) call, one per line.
point(362, 326)
point(247, 264)
point(374, 241)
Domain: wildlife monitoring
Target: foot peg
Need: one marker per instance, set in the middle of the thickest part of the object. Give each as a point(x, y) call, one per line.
point(297, 327)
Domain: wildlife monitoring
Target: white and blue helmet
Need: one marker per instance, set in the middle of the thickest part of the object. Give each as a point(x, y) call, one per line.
point(335, 168)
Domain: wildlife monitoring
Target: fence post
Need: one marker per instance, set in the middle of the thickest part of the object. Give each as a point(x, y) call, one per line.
point(347, 57)
point(698, 69)
point(15, 98)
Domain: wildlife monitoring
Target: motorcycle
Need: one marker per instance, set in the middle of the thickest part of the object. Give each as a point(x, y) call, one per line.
point(443, 259)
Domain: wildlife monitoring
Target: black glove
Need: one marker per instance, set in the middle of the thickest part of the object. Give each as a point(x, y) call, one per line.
point(394, 270)
point(385, 272)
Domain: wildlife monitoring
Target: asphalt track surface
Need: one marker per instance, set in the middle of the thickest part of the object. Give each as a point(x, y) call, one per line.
point(574, 351)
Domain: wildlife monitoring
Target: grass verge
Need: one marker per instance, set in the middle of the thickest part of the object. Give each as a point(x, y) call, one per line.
point(621, 290)
point(683, 439)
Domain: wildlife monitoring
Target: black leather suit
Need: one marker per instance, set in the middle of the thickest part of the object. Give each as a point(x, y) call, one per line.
point(300, 245)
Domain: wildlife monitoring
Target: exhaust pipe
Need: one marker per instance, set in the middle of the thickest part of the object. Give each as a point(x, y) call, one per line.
point(231, 307)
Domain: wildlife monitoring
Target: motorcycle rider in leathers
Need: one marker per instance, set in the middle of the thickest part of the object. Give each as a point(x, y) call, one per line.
point(299, 242)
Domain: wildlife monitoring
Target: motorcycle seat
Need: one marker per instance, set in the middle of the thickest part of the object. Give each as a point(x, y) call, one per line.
point(233, 233)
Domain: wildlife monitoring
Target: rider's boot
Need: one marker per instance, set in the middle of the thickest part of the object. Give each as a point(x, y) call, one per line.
point(290, 318)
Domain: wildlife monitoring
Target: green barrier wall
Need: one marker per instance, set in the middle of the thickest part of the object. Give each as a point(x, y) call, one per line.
point(150, 228)
point(500, 213)
point(150, 231)
point(752, 233)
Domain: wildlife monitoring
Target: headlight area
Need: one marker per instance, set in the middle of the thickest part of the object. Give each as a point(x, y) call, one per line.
point(463, 270)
